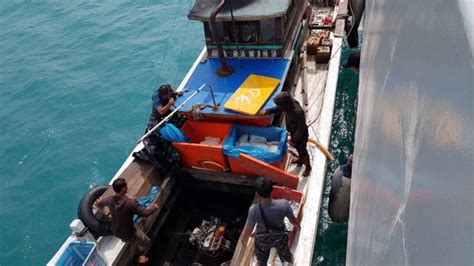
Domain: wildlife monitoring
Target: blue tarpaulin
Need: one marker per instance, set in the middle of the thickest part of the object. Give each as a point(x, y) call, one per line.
point(146, 201)
point(171, 133)
point(224, 87)
point(270, 133)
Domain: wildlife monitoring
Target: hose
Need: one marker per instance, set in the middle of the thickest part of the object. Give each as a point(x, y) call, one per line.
point(322, 149)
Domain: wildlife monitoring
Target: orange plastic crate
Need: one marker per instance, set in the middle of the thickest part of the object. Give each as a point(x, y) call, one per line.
point(202, 156)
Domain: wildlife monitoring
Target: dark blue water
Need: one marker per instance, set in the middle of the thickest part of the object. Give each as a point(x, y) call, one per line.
point(331, 239)
point(75, 84)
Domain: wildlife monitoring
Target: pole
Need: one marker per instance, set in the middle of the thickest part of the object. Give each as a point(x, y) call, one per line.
point(173, 112)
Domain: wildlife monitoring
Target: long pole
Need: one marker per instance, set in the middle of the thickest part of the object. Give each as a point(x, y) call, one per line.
point(172, 113)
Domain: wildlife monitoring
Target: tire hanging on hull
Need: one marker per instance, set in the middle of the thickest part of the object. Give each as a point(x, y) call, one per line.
point(99, 226)
point(339, 197)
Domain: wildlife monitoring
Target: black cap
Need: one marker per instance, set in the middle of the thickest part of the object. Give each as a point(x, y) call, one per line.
point(352, 61)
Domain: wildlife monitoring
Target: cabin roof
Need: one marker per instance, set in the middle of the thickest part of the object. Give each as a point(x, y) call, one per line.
point(244, 10)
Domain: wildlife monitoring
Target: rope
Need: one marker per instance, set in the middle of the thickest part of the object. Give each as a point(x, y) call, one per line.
point(168, 38)
point(196, 111)
point(182, 46)
point(203, 166)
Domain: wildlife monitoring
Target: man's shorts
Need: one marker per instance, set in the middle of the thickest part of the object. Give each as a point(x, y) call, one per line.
point(139, 244)
point(279, 241)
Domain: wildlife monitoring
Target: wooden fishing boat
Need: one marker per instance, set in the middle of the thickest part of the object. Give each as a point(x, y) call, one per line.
point(279, 45)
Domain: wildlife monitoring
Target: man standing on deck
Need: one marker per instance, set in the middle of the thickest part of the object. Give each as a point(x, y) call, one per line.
point(295, 124)
point(163, 101)
point(268, 219)
point(122, 209)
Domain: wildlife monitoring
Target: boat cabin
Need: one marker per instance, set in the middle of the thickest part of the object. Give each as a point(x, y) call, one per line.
point(249, 28)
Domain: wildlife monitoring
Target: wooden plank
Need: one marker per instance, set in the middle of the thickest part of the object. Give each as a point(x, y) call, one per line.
point(241, 252)
point(339, 31)
point(273, 173)
point(162, 197)
point(342, 8)
point(342, 14)
point(136, 174)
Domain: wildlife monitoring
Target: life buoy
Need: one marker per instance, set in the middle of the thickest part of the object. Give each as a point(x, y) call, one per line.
point(99, 226)
point(339, 197)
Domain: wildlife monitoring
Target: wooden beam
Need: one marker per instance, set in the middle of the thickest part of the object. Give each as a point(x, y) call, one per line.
point(242, 253)
point(275, 174)
point(220, 177)
point(342, 14)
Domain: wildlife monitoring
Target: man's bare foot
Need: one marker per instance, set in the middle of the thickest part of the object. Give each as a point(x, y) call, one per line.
point(298, 161)
point(142, 259)
point(307, 171)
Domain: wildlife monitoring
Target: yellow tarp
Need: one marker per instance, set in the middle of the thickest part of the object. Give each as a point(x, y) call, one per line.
point(252, 94)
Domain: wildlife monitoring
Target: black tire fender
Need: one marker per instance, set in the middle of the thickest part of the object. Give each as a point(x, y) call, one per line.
point(339, 197)
point(97, 224)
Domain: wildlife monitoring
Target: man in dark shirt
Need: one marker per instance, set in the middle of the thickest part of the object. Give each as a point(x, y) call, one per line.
point(353, 62)
point(163, 101)
point(122, 209)
point(295, 124)
point(267, 217)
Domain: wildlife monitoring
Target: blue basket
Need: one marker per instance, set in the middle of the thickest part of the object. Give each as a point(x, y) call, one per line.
point(270, 133)
point(80, 253)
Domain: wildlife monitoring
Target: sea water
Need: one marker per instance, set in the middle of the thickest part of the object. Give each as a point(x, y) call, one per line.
point(331, 239)
point(76, 79)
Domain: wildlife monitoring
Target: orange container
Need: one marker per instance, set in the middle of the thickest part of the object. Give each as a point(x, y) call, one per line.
point(258, 121)
point(203, 156)
point(237, 168)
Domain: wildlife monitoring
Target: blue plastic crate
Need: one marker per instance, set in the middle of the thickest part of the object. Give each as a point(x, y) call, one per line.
point(80, 253)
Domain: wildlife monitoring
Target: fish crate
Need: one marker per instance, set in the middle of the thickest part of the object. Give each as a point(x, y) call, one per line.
point(204, 156)
point(80, 253)
point(272, 134)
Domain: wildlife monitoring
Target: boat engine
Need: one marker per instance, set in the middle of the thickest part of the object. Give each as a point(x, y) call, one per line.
point(211, 238)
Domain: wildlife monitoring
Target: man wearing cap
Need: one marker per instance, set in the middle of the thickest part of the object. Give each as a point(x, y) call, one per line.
point(353, 62)
point(267, 217)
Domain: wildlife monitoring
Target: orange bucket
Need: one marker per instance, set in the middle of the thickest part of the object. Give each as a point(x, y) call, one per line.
point(203, 156)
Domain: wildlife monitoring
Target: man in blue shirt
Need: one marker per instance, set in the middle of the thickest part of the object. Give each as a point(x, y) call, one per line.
point(163, 101)
point(267, 217)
